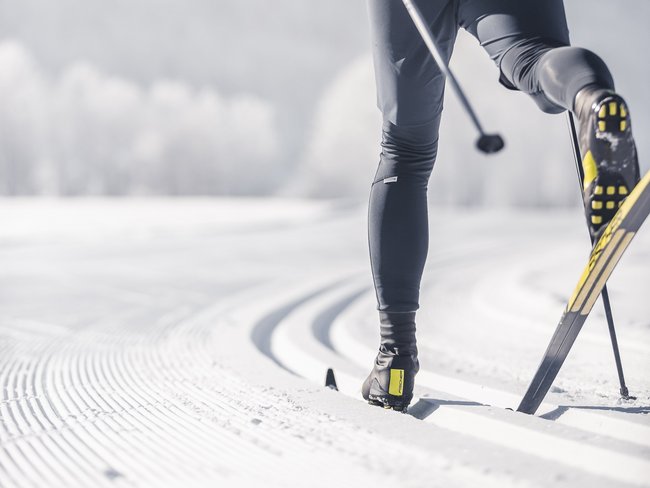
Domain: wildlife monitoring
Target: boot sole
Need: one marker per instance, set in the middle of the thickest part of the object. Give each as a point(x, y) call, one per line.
point(387, 404)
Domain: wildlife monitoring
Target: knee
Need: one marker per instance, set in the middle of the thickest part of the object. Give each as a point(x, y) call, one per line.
point(409, 149)
point(569, 69)
point(552, 74)
point(558, 62)
point(519, 63)
point(520, 68)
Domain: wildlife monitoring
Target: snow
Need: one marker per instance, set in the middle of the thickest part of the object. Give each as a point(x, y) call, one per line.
point(168, 341)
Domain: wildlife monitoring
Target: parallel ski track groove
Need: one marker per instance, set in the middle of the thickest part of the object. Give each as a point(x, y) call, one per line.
point(157, 365)
point(38, 412)
point(65, 430)
point(24, 430)
point(88, 435)
point(198, 348)
point(19, 437)
point(168, 420)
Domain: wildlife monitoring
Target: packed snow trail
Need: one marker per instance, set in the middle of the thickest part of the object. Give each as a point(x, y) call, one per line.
point(163, 342)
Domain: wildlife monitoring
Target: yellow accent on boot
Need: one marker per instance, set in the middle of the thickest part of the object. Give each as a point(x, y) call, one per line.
point(622, 190)
point(603, 112)
point(623, 125)
point(602, 126)
point(613, 108)
point(598, 190)
point(623, 111)
point(396, 385)
point(611, 190)
point(596, 219)
point(590, 169)
point(610, 205)
point(596, 205)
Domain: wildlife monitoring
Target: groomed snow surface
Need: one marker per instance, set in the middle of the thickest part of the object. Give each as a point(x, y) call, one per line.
point(185, 343)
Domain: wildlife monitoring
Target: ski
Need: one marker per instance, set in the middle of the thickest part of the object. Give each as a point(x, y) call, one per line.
point(603, 259)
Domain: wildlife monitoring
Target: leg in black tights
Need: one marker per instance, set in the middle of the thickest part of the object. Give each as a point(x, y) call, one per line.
point(529, 41)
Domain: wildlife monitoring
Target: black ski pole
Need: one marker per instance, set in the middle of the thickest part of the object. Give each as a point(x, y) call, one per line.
point(605, 294)
point(487, 143)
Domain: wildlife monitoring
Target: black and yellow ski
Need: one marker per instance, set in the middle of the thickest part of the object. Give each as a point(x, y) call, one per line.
point(604, 257)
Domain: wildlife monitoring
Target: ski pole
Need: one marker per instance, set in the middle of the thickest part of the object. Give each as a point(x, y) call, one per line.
point(605, 294)
point(487, 143)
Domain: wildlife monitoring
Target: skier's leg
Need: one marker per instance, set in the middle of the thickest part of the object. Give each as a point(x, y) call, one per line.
point(529, 41)
point(409, 94)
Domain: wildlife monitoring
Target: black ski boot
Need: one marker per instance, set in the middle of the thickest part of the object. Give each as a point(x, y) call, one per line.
point(610, 163)
point(390, 383)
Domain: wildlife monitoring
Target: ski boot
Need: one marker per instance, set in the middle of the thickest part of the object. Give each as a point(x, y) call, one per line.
point(390, 383)
point(610, 163)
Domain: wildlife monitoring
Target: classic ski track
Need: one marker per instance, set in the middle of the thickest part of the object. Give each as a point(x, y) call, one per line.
point(517, 290)
point(300, 349)
point(448, 471)
point(461, 467)
point(596, 422)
